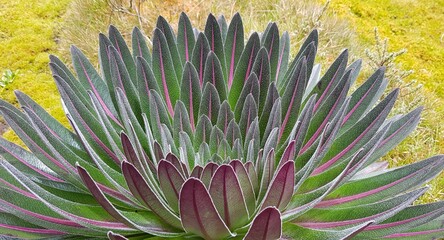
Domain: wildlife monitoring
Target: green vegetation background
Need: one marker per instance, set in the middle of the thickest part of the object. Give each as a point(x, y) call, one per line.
point(30, 31)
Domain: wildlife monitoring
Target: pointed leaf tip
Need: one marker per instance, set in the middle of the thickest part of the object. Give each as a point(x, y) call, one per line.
point(267, 225)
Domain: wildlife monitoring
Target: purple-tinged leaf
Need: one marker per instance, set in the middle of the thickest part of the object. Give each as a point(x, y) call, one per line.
point(132, 156)
point(132, 125)
point(185, 38)
point(197, 172)
point(302, 128)
point(93, 217)
point(122, 48)
point(243, 68)
point(267, 225)
point(355, 68)
point(203, 131)
point(245, 184)
point(198, 213)
point(289, 153)
point(24, 129)
point(261, 68)
point(271, 43)
point(292, 99)
point(181, 121)
point(54, 126)
point(200, 53)
point(140, 48)
point(364, 98)
point(60, 69)
point(121, 78)
point(100, 197)
point(326, 112)
point(216, 138)
point(354, 138)
point(249, 114)
point(180, 166)
point(114, 236)
point(144, 193)
point(223, 26)
point(214, 36)
point(164, 70)
point(341, 217)
point(158, 114)
point(274, 120)
point(233, 133)
point(92, 81)
point(373, 168)
point(251, 87)
point(191, 93)
point(227, 196)
point(281, 189)
point(294, 231)
point(284, 52)
point(158, 152)
point(104, 62)
point(236, 149)
point(187, 154)
point(312, 39)
point(405, 220)
point(272, 95)
point(266, 172)
point(208, 173)
point(398, 131)
point(170, 181)
point(213, 73)
point(168, 32)
point(331, 79)
point(249, 167)
point(210, 103)
point(234, 45)
point(224, 117)
point(387, 184)
point(145, 82)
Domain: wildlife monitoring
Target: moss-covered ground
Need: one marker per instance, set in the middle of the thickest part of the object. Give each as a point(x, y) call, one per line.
point(28, 34)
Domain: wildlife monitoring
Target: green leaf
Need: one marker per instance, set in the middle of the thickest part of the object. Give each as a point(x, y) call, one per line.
point(261, 68)
point(213, 74)
point(210, 102)
point(243, 68)
point(191, 93)
point(271, 43)
point(185, 38)
point(164, 70)
point(200, 53)
point(214, 36)
point(226, 193)
point(122, 48)
point(140, 48)
point(251, 87)
point(234, 45)
point(168, 32)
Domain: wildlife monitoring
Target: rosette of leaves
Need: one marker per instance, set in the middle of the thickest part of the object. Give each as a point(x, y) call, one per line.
point(211, 136)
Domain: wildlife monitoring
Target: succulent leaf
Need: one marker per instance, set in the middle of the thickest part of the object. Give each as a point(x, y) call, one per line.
point(209, 136)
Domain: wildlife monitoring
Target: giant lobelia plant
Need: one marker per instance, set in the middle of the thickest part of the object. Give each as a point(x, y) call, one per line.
point(208, 137)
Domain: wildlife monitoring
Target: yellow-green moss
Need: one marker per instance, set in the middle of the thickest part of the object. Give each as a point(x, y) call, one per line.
point(28, 34)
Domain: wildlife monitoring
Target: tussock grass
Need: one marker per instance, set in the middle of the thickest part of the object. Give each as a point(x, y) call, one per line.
point(297, 17)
